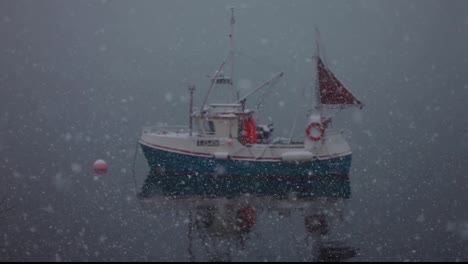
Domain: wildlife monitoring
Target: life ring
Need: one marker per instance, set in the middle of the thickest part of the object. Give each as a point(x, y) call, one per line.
point(317, 125)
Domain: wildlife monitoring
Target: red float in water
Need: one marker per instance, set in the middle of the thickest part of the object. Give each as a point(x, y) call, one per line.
point(246, 218)
point(100, 167)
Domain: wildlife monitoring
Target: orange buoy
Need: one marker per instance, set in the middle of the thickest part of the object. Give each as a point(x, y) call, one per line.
point(100, 167)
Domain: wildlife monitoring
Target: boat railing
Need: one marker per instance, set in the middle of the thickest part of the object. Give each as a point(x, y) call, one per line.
point(163, 129)
point(333, 131)
point(300, 140)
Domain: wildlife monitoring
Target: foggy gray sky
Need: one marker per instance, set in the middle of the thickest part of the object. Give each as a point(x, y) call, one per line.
point(78, 80)
point(105, 67)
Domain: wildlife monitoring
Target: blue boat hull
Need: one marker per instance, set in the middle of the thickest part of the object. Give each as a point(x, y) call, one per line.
point(178, 174)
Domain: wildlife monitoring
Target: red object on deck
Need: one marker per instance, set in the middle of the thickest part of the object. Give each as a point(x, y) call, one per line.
point(250, 129)
point(100, 167)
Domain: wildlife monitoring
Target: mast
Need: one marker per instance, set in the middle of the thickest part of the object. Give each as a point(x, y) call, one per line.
point(220, 68)
point(212, 84)
point(231, 49)
point(318, 103)
point(330, 92)
point(191, 88)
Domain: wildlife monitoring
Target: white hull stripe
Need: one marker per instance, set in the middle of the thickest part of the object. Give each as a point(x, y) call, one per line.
point(202, 154)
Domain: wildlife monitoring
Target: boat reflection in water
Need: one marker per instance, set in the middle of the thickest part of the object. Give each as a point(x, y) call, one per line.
point(295, 224)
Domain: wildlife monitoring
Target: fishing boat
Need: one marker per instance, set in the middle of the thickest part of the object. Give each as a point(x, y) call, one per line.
point(223, 148)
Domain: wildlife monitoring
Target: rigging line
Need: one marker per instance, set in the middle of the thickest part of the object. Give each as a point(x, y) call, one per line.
point(237, 152)
point(263, 151)
point(261, 154)
point(294, 124)
point(330, 116)
point(266, 92)
point(133, 166)
point(305, 94)
point(213, 81)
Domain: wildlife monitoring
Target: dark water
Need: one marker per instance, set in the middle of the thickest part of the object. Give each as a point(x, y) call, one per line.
point(259, 228)
point(64, 214)
point(78, 80)
point(110, 220)
point(242, 226)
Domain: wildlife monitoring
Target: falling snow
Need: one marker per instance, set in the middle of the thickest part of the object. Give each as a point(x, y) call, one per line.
point(80, 79)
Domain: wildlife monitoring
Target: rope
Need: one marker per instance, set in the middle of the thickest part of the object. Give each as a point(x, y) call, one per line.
point(294, 125)
point(265, 93)
point(263, 152)
point(133, 167)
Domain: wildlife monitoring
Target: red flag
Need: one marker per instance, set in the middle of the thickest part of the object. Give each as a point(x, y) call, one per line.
point(332, 91)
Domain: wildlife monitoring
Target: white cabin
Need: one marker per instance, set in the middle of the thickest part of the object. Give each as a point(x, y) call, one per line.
point(219, 121)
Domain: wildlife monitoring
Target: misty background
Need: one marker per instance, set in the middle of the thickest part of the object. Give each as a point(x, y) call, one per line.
point(79, 79)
